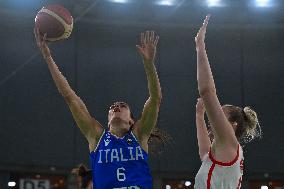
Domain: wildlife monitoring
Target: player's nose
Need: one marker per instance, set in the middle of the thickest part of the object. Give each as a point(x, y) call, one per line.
point(116, 109)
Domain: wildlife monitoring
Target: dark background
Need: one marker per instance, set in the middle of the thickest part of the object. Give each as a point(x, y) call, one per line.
point(245, 46)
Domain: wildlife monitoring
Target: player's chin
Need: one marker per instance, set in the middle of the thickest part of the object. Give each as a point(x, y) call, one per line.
point(117, 120)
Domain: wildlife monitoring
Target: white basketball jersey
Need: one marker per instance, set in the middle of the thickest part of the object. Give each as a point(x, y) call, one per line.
point(214, 174)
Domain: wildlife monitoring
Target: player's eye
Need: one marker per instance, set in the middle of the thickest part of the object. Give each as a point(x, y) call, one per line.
point(123, 106)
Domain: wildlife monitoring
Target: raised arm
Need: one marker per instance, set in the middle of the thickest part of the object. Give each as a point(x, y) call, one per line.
point(90, 128)
point(148, 120)
point(223, 131)
point(202, 133)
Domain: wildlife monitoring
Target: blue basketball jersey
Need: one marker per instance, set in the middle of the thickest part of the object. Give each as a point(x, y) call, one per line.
point(120, 163)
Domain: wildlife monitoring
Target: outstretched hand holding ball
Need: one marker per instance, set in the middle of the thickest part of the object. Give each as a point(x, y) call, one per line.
point(55, 22)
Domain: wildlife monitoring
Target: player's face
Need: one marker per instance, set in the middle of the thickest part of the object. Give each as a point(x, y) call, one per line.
point(119, 110)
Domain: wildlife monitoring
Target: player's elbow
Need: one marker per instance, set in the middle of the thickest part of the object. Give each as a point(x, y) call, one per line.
point(158, 98)
point(67, 95)
point(68, 98)
point(206, 91)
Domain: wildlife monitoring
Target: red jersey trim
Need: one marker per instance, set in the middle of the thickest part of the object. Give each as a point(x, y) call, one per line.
point(224, 163)
point(210, 175)
point(240, 181)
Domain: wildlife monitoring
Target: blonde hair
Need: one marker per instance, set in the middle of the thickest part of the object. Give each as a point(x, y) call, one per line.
point(248, 123)
point(253, 130)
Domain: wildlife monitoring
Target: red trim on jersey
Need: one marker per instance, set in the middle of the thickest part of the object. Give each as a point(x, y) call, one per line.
point(240, 181)
point(223, 163)
point(210, 175)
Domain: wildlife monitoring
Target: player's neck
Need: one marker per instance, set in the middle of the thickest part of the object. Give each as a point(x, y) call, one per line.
point(118, 131)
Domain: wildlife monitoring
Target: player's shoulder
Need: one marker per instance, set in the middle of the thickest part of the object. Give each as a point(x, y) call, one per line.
point(95, 140)
point(136, 129)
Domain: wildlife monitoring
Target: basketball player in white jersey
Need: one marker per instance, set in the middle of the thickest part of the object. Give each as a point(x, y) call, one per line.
point(220, 152)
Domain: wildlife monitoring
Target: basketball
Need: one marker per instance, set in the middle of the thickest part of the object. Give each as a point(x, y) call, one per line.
point(55, 21)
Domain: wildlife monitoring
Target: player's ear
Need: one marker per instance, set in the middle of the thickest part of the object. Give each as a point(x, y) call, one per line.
point(235, 125)
point(131, 122)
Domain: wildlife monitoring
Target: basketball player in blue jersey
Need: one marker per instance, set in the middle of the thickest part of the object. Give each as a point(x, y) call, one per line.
point(119, 153)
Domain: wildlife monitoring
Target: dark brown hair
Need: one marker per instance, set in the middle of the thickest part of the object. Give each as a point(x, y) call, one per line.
point(248, 127)
point(158, 138)
point(158, 141)
point(85, 174)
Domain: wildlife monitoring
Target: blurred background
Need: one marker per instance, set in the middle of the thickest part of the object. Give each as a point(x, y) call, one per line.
point(39, 141)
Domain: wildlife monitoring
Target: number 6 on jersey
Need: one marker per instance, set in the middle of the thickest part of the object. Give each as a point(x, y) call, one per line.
point(120, 174)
